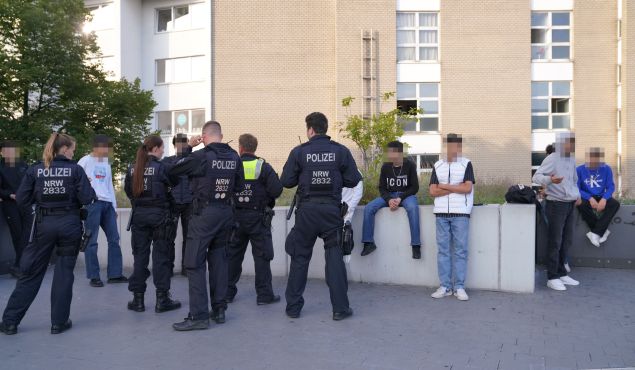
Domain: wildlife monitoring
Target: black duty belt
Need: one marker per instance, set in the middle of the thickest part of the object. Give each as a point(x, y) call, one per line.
point(59, 211)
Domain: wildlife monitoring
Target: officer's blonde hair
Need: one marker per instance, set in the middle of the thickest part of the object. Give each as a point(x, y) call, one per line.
point(56, 142)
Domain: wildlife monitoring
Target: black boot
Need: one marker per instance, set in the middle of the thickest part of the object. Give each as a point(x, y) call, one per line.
point(218, 315)
point(416, 252)
point(368, 249)
point(165, 302)
point(137, 303)
point(190, 324)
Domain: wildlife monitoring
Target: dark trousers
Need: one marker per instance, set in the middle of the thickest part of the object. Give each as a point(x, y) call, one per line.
point(149, 229)
point(63, 232)
point(561, 221)
point(313, 220)
point(598, 224)
point(19, 227)
point(207, 239)
point(183, 212)
point(251, 228)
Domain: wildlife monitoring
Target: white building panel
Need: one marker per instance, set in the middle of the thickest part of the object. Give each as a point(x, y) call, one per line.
point(552, 71)
point(418, 72)
point(551, 5)
point(418, 5)
point(541, 140)
point(423, 143)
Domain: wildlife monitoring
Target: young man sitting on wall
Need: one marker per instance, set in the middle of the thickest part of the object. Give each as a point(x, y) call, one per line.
point(398, 186)
point(598, 207)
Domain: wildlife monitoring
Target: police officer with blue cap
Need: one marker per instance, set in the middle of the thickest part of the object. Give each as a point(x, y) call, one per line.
point(148, 187)
point(254, 212)
point(319, 168)
point(57, 188)
point(215, 173)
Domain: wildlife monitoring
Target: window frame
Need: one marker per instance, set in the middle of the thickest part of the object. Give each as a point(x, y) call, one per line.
point(418, 98)
point(417, 45)
point(110, 26)
point(417, 158)
point(173, 131)
point(169, 69)
point(173, 12)
point(549, 44)
point(549, 97)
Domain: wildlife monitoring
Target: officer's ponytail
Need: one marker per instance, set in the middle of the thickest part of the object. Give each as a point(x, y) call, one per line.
point(56, 142)
point(141, 161)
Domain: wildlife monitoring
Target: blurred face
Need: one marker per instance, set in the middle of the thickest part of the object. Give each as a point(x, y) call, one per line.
point(180, 146)
point(68, 151)
point(594, 159)
point(101, 151)
point(453, 150)
point(393, 155)
point(10, 154)
point(568, 146)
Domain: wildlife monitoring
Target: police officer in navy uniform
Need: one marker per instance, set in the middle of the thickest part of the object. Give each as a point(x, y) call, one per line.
point(58, 188)
point(319, 168)
point(182, 195)
point(254, 212)
point(215, 173)
point(12, 171)
point(148, 185)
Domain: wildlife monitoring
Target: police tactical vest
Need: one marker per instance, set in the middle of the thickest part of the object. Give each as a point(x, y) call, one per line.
point(253, 194)
point(218, 183)
point(154, 187)
point(320, 178)
point(55, 187)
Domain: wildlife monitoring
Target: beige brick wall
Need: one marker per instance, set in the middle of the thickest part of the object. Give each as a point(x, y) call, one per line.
point(595, 78)
point(628, 96)
point(274, 64)
point(486, 84)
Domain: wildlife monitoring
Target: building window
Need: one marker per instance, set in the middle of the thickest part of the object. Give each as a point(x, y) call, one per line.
point(181, 17)
point(423, 96)
point(176, 70)
point(550, 105)
point(536, 160)
point(180, 121)
point(417, 37)
point(550, 36)
point(424, 162)
point(101, 18)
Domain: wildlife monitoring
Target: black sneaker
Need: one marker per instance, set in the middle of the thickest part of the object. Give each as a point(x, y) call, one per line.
point(218, 315)
point(337, 316)
point(368, 249)
point(293, 315)
point(275, 299)
point(118, 280)
point(59, 329)
point(8, 329)
point(96, 283)
point(416, 252)
point(189, 324)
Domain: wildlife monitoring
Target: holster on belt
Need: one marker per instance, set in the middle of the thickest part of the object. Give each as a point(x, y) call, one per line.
point(267, 216)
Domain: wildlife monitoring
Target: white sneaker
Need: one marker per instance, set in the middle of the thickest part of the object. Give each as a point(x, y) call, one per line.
point(556, 284)
point(593, 238)
point(567, 267)
point(461, 295)
point(566, 280)
point(442, 292)
point(605, 236)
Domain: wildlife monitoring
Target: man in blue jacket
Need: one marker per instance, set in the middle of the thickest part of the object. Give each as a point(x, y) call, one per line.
point(595, 181)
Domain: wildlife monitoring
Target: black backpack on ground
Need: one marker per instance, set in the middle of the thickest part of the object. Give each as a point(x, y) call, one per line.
point(520, 194)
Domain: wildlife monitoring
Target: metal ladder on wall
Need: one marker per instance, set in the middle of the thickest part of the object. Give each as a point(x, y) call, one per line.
point(370, 101)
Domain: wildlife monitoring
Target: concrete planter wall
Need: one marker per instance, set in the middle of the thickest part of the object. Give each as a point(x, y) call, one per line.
point(501, 251)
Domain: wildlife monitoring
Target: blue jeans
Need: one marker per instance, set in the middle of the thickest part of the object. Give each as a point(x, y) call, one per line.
point(102, 214)
point(412, 209)
point(452, 231)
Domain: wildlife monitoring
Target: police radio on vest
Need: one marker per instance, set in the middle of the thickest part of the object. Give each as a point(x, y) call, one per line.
point(320, 157)
point(54, 172)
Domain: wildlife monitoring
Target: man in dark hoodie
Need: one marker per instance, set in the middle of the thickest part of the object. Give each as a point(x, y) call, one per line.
point(398, 186)
point(12, 171)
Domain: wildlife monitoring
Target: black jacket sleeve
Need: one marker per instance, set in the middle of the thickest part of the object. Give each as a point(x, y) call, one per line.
point(291, 170)
point(25, 196)
point(239, 176)
point(350, 174)
point(4, 193)
point(190, 166)
point(272, 183)
point(128, 183)
point(85, 192)
point(383, 190)
point(413, 180)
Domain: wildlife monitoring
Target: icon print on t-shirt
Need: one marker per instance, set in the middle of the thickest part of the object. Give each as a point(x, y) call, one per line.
point(100, 173)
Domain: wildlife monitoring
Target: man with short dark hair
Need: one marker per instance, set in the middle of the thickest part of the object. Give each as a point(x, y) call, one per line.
point(319, 168)
point(254, 212)
point(182, 196)
point(398, 187)
point(595, 181)
point(102, 213)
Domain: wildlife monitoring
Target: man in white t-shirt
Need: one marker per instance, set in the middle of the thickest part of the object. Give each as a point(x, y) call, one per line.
point(102, 213)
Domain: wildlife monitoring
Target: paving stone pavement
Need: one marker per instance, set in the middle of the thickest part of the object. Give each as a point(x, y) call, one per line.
point(394, 327)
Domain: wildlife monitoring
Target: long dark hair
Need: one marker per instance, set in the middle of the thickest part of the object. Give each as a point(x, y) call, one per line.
point(53, 145)
point(141, 161)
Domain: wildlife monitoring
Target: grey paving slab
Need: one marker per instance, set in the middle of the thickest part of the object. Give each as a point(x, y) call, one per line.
point(394, 327)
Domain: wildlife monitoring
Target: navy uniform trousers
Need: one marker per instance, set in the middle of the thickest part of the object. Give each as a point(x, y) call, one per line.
point(19, 227)
point(65, 233)
point(149, 228)
point(251, 228)
point(208, 234)
point(184, 212)
point(313, 220)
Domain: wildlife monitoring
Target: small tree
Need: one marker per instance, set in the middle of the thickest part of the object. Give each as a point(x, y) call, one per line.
point(372, 134)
